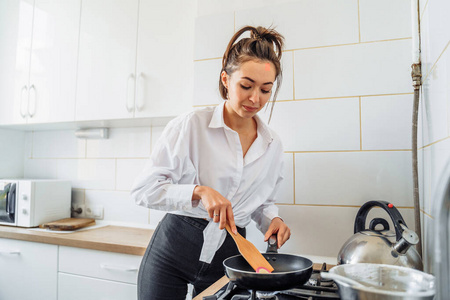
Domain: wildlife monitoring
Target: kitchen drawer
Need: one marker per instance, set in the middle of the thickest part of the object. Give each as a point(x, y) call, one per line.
point(99, 264)
point(27, 264)
point(74, 287)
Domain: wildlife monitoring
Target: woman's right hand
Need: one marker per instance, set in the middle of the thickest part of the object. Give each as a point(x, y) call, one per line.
point(217, 206)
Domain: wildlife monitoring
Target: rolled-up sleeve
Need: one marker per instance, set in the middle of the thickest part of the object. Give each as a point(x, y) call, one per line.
point(168, 180)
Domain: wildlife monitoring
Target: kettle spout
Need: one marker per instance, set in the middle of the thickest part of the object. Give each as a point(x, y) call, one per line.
point(409, 238)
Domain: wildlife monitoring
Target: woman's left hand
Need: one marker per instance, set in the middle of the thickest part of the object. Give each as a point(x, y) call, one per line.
point(277, 226)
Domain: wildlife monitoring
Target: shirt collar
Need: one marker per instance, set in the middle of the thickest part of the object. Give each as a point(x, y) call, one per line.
point(217, 121)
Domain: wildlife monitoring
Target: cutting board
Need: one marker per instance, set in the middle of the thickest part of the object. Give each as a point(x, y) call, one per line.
point(68, 224)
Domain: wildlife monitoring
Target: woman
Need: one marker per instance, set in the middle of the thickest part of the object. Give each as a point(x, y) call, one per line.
point(213, 166)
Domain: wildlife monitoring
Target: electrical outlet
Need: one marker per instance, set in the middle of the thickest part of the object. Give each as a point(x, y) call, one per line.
point(78, 210)
point(95, 212)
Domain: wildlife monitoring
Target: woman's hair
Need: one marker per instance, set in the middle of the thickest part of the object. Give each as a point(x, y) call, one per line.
point(264, 44)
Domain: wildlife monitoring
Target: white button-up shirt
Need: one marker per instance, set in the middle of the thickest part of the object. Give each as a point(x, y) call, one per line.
point(198, 148)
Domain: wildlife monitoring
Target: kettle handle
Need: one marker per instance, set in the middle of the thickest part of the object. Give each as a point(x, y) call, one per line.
point(397, 219)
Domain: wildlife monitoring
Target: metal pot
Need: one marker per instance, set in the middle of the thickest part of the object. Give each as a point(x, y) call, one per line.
point(381, 246)
point(381, 282)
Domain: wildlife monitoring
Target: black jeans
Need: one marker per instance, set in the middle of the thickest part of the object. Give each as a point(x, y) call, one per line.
point(172, 260)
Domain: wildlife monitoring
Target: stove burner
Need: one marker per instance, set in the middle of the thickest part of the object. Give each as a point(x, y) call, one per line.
point(316, 288)
point(266, 296)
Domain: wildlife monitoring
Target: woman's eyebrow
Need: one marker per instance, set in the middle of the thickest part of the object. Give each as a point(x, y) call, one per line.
point(249, 79)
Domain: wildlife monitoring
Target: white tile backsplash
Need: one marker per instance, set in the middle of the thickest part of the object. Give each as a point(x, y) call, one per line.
point(317, 125)
point(353, 70)
point(127, 171)
point(435, 35)
point(58, 144)
point(386, 122)
point(11, 153)
point(286, 192)
point(347, 178)
point(379, 23)
point(306, 23)
point(118, 206)
point(122, 142)
point(98, 174)
point(41, 168)
point(206, 82)
point(212, 34)
point(436, 96)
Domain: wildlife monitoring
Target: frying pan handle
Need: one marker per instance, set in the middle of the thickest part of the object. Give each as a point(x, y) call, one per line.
point(272, 244)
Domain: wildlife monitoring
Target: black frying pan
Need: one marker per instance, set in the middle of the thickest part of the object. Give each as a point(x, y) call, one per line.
point(289, 271)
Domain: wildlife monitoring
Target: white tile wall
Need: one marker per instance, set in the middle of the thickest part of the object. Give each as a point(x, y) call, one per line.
point(286, 192)
point(206, 82)
point(11, 153)
point(386, 122)
point(435, 35)
point(57, 144)
point(306, 23)
point(436, 96)
point(122, 142)
point(94, 174)
point(317, 125)
point(321, 231)
point(348, 178)
point(118, 206)
point(212, 34)
point(435, 105)
point(354, 70)
point(379, 23)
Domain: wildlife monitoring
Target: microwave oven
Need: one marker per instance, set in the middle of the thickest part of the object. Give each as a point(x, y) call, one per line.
point(30, 203)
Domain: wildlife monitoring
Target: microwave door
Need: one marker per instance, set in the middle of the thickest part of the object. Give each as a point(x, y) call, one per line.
point(11, 209)
point(8, 204)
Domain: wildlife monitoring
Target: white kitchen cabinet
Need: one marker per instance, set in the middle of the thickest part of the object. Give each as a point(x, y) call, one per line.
point(74, 287)
point(164, 71)
point(91, 274)
point(28, 269)
point(107, 59)
point(136, 59)
point(38, 55)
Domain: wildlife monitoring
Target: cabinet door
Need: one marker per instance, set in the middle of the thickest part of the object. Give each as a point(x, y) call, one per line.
point(165, 57)
point(107, 59)
point(74, 287)
point(28, 269)
point(16, 21)
point(53, 68)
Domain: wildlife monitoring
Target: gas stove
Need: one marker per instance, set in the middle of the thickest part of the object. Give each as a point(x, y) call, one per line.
point(316, 288)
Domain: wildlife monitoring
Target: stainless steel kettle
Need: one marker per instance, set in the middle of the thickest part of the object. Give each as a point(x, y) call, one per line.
point(381, 246)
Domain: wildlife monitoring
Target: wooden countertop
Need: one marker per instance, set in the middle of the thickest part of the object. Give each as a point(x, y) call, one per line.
point(128, 240)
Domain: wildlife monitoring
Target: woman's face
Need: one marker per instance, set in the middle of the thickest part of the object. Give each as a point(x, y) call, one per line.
point(249, 87)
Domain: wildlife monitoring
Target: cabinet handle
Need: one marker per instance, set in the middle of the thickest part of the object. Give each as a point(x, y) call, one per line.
point(130, 108)
point(118, 268)
point(9, 251)
point(21, 101)
point(32, 87)
point(140, 97)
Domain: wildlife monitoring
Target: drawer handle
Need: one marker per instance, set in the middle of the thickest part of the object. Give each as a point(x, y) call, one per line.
point(118, 268)
point(6, 251)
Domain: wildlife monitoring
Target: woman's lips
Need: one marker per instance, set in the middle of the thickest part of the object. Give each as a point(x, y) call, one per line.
point(250, 109)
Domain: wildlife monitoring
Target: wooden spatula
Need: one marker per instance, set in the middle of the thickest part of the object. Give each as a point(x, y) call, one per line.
point(250, 253)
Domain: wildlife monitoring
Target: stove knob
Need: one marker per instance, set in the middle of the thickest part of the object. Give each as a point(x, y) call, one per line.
point(24, 211)
point(24, 197)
